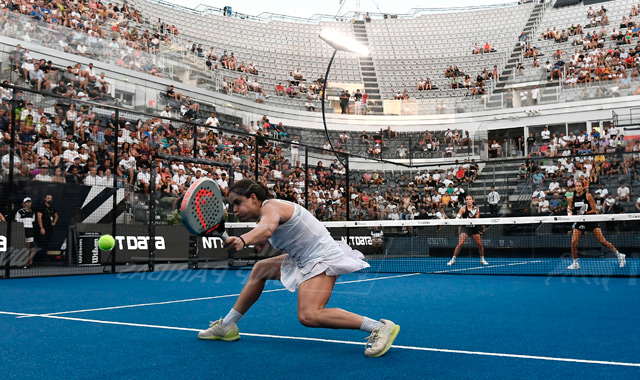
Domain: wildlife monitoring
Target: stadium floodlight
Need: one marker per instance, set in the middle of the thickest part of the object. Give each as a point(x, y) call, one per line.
point(341, 42)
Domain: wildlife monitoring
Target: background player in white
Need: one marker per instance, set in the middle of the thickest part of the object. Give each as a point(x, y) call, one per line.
point(377, 239)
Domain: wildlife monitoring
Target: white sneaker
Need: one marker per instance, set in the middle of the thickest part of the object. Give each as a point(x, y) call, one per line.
point(575, 265)
point(381, 339)
point(484, 262)
point(452, 261)
point(217, 332)
point(621, 259)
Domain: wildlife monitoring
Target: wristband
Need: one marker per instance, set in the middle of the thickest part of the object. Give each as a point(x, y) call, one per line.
point(244, 243)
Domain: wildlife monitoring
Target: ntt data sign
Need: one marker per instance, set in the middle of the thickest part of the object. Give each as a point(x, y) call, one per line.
point(133, 243)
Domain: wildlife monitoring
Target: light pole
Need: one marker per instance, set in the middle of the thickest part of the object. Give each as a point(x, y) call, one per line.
point(338, 42)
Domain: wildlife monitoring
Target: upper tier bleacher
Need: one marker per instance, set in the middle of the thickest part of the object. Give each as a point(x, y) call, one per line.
point(404, 51)
point(275, 48)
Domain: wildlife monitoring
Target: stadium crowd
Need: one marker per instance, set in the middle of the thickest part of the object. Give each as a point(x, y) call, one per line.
point(601, 56)
point(595, 159)
point(71, 142)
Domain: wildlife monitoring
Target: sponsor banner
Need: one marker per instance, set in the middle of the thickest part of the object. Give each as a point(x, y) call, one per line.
point(133, 243)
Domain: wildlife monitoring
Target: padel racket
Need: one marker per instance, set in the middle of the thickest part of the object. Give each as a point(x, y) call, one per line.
point(202, 209)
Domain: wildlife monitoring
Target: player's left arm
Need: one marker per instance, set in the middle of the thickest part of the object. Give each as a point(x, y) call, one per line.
point(55, 219)
point(592, 204)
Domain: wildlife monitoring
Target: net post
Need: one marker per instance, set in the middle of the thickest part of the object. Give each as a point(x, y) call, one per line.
point(195, 140)
point(306, 177)
point(257, 160)
point(192, 262)
point(114, 215)
point(348, 200)
point(152, 217)
point(9, 218)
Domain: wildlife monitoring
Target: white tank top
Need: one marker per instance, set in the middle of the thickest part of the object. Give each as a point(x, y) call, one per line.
point(303, 237)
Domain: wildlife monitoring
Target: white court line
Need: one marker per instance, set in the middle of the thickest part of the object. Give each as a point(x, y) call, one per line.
point(487, 266)
point(197, 299)
point(414, 348)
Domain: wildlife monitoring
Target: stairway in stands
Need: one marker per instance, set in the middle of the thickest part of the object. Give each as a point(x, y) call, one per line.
point(530, 30)
point(368, 69)
point(503, 174)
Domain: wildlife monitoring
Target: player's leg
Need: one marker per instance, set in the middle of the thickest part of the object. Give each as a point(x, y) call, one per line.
point(463, 238)
point(226, 328)
point(597, 232)
point(263, 270)
point(313, 296)
point(575, 238)
point(478, 241)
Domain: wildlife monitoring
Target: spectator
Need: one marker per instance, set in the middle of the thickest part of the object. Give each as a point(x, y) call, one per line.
point(212, 122)
point(486, 48)
point(555, 204)
point(623, 193)
point(166, 115)
point(344, 101)
point(295, 151)
point(171, 93)
point(309, 106)
point(494, 149)
point(402, 151)
point(543, 206)
point(493, 198)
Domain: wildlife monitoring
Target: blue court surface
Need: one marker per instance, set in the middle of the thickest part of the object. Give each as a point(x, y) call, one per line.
point(144, 326)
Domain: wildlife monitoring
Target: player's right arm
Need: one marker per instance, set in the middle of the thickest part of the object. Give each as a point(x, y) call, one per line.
point(570, 207)
point(39, 216)
point(462, 210)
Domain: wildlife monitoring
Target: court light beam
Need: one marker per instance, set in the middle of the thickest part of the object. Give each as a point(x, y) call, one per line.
point(337, 41)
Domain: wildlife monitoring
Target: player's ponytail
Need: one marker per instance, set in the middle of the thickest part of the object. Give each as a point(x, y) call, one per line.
point(246, 187)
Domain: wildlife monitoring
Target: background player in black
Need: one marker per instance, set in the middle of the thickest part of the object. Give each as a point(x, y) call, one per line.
point(582, 203)
point(469, 210)
point(26, 216)
point(47, 218)
point(377, 239)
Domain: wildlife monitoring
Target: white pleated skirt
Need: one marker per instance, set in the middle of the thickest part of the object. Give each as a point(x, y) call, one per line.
point(291, 275)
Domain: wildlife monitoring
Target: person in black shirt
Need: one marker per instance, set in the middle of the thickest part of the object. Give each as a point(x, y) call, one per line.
point(530, 140)
point(468, 211)
point(5, 122)
point(364, 137)
point(582, 203)
point(60, 89)
point(344, 102)
point(173, 94)
point(47, 217)
point(357, 96)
